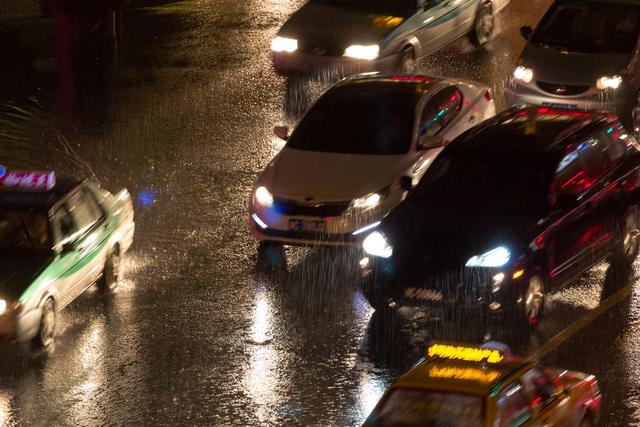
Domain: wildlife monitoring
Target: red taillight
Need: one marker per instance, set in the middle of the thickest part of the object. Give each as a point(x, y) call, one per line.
point(488, 95)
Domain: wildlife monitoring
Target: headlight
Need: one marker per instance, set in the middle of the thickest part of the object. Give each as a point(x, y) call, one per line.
point(264, 197)
point(6, 306)
point(605, 82)
point(368, 201)
point(376, 244)
point(3, 306)
point(494, 258)
point(284, 44)
point(358, 51)
point(523, 73)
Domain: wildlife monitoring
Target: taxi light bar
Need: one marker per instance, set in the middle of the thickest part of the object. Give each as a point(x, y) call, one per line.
point(464, 353)
point(27, 180)
point(466, 374)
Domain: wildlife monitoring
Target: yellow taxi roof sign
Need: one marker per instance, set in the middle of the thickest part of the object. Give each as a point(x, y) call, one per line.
point(465, 353)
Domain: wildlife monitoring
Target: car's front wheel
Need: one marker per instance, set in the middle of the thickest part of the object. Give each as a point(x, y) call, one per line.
point(628, 245)
point(530, 303)
point(407, 62)
point(46, 333)
point(111, 272)
point(483, 26)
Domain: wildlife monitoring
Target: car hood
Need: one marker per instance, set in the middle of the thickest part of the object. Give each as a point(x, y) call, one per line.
point(553, 66)
point(332, 176)
point(17, 273)
point(447, 238)
point(338, 25)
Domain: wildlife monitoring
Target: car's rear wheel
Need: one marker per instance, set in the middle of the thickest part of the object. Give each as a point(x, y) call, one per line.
point(628, 241)
point(111, 273)
point(407, 62)
point(46, 333)
point(483, 25)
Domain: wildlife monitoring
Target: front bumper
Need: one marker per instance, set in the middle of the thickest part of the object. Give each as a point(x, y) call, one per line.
point(593, 99)
point(19, 326)
point(296, 64)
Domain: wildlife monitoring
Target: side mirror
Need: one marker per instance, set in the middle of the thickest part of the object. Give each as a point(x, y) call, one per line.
point(406, 183)
point(281, 132)
point(526, 32)
point(429, 142)
point(567, 201)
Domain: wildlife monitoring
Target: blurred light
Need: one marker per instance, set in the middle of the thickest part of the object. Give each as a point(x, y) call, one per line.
point(258, 221)
point(523, 74)
point(466, 374)
point(518, 274)
point(368, 201)
point(494, 306)
point(364, 262)
point(284, 44)
point(498, 278)
point(264, 197)
point(464, 353)
point(3, 306)
point(146, 198)
point(494, 258)
point(376, 244)
point(606, 82)
point(366, 228)
point(3, 170)
point(367, 52)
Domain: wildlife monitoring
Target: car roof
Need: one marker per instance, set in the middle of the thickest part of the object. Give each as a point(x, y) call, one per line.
point(37, 200)
point(402, 83)
point(460, 377)
point(528, 129)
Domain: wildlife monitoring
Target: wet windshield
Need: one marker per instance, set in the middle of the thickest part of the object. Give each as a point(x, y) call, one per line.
point(358, 122)
point(23, 233)
point(424, 408)
point(488, 182)
point(589, 27)
point(390, 7)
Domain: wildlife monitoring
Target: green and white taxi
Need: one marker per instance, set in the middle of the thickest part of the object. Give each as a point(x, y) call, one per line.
point(56, 240)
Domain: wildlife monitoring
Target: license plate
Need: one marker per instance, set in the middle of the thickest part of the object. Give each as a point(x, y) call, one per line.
point(309, 226)
point(560, 106)
point(423, 294)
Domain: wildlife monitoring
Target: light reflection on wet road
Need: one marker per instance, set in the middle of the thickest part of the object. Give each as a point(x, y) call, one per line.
point(197, 335)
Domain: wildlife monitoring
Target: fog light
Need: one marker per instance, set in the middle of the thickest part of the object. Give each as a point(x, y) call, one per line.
point(494, 306)
point(364, 262)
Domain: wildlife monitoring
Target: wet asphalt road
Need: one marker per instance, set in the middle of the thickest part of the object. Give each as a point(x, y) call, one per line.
point(197, 334)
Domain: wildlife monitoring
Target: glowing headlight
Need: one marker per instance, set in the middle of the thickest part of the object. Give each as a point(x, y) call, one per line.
point(609, 82)
point(264, 197)
point(284, 44)
point(368, 201)
point(3, 306)
point(523, 73)
point(358, 51)
point(376, 244)
point(494, 258)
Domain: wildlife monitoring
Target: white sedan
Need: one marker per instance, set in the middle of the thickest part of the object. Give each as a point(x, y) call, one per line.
point(353, 156)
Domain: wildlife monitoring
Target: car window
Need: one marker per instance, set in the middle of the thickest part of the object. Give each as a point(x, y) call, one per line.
point(513, 407)
point(571, 177)
point(24, 233)
point(538, 387)
point(592, 153)
point(616, 145)
point(440, 110)
point(64, 229)
point(84, 211)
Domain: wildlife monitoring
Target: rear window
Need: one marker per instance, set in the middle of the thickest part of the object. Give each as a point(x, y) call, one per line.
point(24, 233)
point(414, 407)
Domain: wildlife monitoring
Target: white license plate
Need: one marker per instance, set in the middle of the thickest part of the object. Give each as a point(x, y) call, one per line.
point(560, 106)
point(309, 226)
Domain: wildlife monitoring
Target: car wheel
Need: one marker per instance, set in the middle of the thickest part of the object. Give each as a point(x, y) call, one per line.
point(483, 26)
point(46, 332)
point(587, 422)
point(629, 244)
point(407, 61)
point(635, 115)
point(111, 272)
point(533, 300)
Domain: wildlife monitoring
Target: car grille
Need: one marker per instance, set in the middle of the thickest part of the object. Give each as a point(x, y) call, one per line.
point(291, 207)
point(562, 90)
point(320, 48)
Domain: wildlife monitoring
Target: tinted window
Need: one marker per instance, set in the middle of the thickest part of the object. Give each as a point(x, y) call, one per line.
point(24, 233)
point(64, 229)
point(424, 408)
point(589, 27)
point(616, 146)
point(584, 164)
point(538, 386)
point(358, 122)
point(570, 176)
point(513, 407)
point(83, 210)
point(440, 110)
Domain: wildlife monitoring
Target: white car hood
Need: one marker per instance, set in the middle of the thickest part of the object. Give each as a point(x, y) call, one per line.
point(332, 176)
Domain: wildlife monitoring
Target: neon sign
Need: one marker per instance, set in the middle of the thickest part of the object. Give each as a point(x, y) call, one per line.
point(465, 374)
point(466, 354)
point(27, 180)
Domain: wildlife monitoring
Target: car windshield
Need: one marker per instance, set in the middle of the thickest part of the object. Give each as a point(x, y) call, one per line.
point(389, 7)
point(413, 407)
point(24, 233)
point(358, 122)
point(589, 27)
point(486, 182)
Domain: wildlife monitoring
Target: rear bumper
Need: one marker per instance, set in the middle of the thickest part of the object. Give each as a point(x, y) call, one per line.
point(299, 64)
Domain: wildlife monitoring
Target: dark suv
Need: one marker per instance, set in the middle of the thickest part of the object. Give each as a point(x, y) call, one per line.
point(510, 210)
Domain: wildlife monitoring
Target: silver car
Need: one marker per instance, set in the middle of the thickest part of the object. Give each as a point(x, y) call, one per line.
point(349, 36)
point(583, 55)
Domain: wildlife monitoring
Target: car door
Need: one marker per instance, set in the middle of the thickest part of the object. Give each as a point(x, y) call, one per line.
point(440, 114)
point(512, 407)
point(436, 25)
point(89, 221)
point(550, 406)
point(64, 234)
point(465, 11)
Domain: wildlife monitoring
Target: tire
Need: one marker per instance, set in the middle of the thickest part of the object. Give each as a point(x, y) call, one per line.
point(47, 330)
point(628, 244)
point(111, 274)
point(483, 26)
point(407, 62)
point(529, 308)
